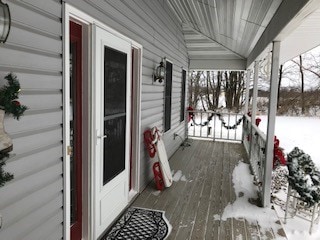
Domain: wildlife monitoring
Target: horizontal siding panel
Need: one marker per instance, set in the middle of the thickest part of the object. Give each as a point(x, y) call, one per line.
point(152, 96)
point(150, 104)
point(118, 21)
point(152, 111)
point(33, 220)
point(56, 233)
point(34, 121)
point(151, 20)
point(25, 206)
point(36, 81)
point(152, 121)
point(46, 229)
point(35, 162)
point(50, 6)
point(40, 99)
point(29, 60)
point(20, 13)
point(153, 88)
point(24, 188)
point(155, 37)
point(25, 38)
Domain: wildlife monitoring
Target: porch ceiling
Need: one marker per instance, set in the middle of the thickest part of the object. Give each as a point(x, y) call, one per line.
point(223, 30)
point(231, 34)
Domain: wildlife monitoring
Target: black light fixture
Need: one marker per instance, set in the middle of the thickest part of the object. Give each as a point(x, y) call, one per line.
point(159, 72)
point(5, 21)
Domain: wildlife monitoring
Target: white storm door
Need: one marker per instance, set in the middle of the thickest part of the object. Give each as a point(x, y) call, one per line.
point(112, 66)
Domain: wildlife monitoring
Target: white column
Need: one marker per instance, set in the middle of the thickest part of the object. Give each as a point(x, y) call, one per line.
point(254, 102)
point(246, 105)
point(271, 124)
point(255, 92)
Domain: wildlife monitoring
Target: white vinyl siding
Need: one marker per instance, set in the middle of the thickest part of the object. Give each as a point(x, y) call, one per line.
point(32, 203)
point(153, 25)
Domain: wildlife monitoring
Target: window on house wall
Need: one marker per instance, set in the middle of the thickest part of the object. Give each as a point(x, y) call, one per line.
point(168, 94)
point(183, 95)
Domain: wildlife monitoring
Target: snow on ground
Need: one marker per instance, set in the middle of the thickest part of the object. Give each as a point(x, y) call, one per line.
point(302, 132)
point(242, 208)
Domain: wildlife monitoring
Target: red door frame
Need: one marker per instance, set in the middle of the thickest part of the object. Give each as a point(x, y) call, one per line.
point(76, 38)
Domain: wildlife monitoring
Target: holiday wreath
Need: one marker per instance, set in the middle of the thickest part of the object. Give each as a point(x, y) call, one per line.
point(304, 177)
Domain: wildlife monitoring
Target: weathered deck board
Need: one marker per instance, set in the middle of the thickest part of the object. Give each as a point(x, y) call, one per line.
point(194, 207)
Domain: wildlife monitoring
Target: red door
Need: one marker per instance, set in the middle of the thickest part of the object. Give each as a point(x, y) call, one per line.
point(76, 130)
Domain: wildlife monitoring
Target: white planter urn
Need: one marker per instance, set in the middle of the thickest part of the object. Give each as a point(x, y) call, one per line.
point(5, 141)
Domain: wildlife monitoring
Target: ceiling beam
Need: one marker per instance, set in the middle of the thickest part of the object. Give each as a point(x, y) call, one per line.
point(217, 64)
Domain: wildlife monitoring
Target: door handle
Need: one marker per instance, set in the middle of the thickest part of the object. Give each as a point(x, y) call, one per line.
point(104, 136)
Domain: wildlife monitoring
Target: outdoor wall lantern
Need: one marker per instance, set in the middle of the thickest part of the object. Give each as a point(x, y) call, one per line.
point(5, 21)
point(159, 72)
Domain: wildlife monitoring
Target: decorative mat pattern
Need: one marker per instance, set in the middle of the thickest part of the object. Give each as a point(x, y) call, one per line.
point(139, 223)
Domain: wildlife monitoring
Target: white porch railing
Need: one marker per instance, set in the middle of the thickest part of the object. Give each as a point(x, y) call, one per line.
point(254, 141)
point(234, 127)
point(214, 125)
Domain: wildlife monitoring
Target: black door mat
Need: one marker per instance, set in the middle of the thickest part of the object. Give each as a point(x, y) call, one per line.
point(140, 223)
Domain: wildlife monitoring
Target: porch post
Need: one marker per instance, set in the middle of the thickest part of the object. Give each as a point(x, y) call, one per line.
point(255, 92)
point(246, 105)
point(266, 190)
point(254, 102)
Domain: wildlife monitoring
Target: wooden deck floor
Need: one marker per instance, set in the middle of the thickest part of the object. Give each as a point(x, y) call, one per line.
point(190, 205)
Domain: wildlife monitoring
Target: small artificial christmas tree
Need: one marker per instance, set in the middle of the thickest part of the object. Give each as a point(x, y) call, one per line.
point(9, 95)
point(4, 176)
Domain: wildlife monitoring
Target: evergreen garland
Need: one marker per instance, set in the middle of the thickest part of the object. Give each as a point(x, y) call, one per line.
point(304, 177)
point(9, 95)
point(223, 122)
point(4, 176)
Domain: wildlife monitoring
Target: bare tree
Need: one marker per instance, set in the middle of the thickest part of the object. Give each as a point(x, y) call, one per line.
point(194, 89)
point(301, 70)
point(279, 85)
point(233, 87)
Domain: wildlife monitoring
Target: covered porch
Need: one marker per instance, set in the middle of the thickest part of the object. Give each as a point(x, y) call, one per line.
point(202, 189)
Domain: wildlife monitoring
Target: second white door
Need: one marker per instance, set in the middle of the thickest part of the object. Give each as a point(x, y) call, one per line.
point(112, 67)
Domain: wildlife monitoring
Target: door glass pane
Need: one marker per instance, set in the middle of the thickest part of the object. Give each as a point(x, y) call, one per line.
point(73, 168)
point(115, 75)
point(115, 71)
point(114, 148)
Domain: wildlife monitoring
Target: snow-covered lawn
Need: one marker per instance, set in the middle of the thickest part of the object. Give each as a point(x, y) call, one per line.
point(302, 132)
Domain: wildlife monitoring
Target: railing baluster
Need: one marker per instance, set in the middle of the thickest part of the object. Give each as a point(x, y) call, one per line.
point(201, 124)
point(214, 127)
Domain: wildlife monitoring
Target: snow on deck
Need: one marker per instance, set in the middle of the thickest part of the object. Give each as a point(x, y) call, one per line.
point(211, 190)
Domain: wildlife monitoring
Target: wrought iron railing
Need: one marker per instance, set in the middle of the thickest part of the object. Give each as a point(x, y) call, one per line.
point(215, 125)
